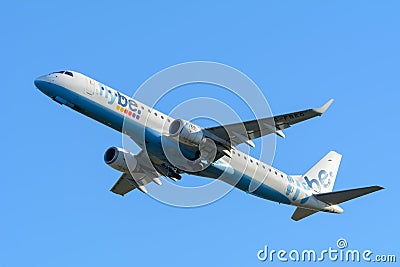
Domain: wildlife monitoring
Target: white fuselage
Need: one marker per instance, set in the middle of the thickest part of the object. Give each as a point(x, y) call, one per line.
point(136, 119)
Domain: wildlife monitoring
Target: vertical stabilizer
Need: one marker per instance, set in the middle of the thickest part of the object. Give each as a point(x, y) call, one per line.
point(321, 177)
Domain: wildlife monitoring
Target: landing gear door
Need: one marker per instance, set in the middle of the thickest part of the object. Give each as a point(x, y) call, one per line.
point(90, 87)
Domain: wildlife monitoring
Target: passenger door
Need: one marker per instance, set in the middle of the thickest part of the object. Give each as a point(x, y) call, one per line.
point(90, 87)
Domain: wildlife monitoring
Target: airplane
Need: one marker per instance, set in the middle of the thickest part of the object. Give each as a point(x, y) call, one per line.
point(207, 152)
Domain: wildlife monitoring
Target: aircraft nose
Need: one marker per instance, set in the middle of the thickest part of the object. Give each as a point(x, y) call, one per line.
point(39, 79)
point(41, 83)
point(37, 83)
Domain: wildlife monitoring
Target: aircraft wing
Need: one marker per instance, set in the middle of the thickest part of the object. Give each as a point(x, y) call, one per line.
point(244, 132)
point(127, 182)
point(143, 174)
point(123, 186)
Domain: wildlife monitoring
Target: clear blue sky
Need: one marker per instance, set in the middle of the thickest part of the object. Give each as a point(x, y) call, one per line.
point(56, 209)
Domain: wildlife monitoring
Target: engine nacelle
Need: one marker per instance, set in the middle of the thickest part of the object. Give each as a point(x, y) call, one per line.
point(119, 159)
point(187, 132)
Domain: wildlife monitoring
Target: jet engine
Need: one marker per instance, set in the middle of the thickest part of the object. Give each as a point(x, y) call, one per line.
point(187, 132)
point(119, 159)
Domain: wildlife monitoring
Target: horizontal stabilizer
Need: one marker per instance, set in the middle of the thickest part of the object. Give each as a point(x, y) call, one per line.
point(301, 213)
point(334, 198)
point(337, 197)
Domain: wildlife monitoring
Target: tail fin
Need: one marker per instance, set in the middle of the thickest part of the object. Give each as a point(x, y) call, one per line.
point(321, 177)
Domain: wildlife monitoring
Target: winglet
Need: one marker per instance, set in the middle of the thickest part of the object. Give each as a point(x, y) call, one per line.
point(322, 109)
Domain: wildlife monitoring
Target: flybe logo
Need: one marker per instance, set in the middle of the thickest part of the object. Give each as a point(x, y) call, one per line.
point(324, 180)
point(299, 189)
point(124, 105)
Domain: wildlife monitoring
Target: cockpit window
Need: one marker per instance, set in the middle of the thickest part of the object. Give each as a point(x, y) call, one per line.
point(64, 72)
